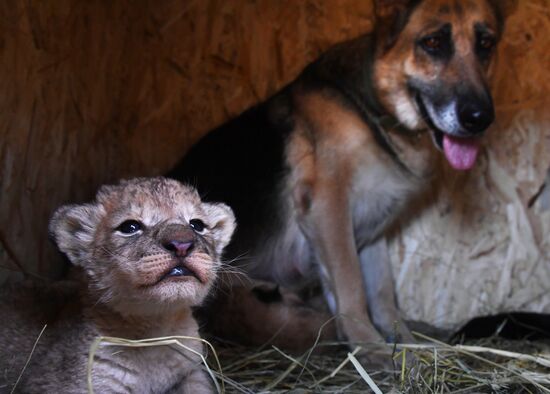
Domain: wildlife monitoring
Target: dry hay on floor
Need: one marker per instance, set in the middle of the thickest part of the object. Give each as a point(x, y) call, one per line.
point(490, 365)
point(486, 366)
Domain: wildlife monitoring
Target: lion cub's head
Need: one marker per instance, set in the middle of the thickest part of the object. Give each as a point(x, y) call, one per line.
point(146, 244)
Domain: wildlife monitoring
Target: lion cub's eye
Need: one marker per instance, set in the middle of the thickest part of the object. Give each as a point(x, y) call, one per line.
point(197, 225)
point(130, 227)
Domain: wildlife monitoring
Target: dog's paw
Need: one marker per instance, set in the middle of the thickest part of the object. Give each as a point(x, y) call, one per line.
point(387, 359)
point(376, 359)
point(396, 331)
point(400, 335)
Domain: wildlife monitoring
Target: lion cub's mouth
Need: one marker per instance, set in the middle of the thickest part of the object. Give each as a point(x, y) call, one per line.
point(180, 270)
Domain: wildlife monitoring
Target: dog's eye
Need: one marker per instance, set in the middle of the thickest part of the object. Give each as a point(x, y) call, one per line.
point(432, 43)
point(438, 43)
point(486, 42)
point(129, 227)
point(197, 225)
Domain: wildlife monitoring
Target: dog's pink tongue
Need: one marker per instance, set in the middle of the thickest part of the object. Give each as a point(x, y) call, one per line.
point(460, 152)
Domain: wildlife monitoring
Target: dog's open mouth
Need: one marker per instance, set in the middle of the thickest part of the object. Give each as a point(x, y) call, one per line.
point(460, 152)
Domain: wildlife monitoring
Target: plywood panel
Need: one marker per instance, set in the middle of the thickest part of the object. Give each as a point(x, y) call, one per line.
point(93, 91)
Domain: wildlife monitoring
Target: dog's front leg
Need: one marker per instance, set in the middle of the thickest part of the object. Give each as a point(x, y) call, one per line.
point(328, 226)
point(380, 291)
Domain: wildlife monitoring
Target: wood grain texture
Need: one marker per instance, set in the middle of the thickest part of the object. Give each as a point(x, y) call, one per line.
point(97, 90)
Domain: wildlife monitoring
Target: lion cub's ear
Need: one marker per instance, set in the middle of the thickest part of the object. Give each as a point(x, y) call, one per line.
point(72, 228)
point(223, 223)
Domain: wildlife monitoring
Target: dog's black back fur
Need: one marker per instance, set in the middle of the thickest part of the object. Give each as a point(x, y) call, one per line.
point(242, 164)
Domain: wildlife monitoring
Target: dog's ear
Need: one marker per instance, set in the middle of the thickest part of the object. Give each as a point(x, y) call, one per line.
point(73, 227)
point(391, 18)
point(388, 8)
point(503, 9)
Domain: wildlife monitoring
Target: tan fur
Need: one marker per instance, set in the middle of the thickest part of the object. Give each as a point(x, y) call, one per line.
point(120, 290)
point(243, 314)
point(333, 182)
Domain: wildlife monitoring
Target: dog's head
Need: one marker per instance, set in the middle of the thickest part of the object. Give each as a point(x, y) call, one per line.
point(433, 62)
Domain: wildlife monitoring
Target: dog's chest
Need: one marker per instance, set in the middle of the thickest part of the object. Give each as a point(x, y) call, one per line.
point(378, 193)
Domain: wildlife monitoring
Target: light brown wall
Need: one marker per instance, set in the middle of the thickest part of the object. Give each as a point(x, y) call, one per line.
point(91, 91)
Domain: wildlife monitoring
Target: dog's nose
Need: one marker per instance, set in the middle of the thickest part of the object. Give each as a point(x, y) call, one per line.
point(179, 248)
point(476, 117)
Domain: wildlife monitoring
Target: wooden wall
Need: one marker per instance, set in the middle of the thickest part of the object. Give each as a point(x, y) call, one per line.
point(91, 91)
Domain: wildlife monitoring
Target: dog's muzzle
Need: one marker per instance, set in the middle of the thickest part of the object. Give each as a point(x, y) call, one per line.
point(457, 127)
point(476, 116)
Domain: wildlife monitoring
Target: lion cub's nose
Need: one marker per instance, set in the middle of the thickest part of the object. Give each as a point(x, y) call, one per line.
point(180, 248)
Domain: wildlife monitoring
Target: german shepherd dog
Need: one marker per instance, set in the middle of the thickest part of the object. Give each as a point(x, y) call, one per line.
point(318, 172)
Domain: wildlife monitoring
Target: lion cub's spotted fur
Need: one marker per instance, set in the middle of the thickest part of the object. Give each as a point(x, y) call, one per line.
point(126, 288)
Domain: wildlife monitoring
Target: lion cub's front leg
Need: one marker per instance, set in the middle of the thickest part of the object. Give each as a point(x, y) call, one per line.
point(197, 382)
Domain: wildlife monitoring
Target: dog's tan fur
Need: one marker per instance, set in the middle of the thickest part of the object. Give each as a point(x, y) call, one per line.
point(252, 312)
point(394, 67)
point(326, 187)
point(121, 291)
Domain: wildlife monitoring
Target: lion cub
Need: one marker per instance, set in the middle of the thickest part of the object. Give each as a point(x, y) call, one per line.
point(147, 250)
